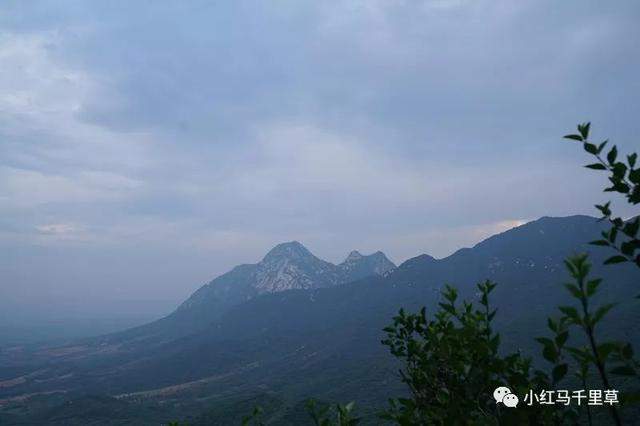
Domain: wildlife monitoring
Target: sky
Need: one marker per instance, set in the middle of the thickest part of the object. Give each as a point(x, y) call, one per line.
point(146, 147)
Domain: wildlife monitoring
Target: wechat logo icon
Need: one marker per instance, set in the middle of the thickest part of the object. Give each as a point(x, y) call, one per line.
point(503, 395)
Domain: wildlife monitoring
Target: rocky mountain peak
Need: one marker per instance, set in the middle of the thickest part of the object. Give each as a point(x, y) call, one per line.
point(358, 266)
point(287, 266)
point(292, 250)
point(354, 255)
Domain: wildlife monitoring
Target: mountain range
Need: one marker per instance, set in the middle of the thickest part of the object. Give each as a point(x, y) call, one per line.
point(293, 326)
point(288, 266)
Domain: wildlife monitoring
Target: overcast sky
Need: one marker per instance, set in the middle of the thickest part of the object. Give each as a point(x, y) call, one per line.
point(147, 146)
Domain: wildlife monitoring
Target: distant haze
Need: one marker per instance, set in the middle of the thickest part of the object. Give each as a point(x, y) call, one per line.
point(146, 147)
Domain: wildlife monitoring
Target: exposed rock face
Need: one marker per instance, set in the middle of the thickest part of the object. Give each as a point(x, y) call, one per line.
point(288, 266)
point(291, 266)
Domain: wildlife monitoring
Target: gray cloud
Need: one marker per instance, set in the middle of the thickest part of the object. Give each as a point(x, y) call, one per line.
point(171, 141)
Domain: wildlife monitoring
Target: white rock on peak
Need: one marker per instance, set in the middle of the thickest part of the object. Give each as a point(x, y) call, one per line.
point(291, 266)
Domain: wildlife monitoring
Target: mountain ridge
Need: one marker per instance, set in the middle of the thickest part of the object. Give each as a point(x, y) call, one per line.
point(290, 265)
point(287, 266)
point(330, 335)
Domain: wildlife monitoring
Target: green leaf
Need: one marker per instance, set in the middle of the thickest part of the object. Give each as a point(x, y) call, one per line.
point(631, 228)
point(606, 211)
point(571, 313)
point(628, 247)
point(584, 130)
point(448, 308)
point(592, 286)
point(602, 145)
point(574, 290)
point(549, 353)
point(559, 371)
point(619, 170)
point(601, 312)
point(450, 293)
point(615, 259)
point(574, 137)
point(612, 155)
point(599, 243)
point(580, 354)
point(492, 314)
point(561, 338)
point(590, 148)
point(544, 341)
point(596, 166)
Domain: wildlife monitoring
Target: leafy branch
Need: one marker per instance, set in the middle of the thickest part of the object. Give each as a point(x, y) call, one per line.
point(583, 289)
point(624, 179)
point(322, 416)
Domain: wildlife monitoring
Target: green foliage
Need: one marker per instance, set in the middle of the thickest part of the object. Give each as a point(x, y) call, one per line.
point(255, 419)
point(586, 317)
point(624, 178)
point(452, 364)
point(325, 416)
point(553, 349)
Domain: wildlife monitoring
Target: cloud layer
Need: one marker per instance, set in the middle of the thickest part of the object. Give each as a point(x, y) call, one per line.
point(147, 146)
